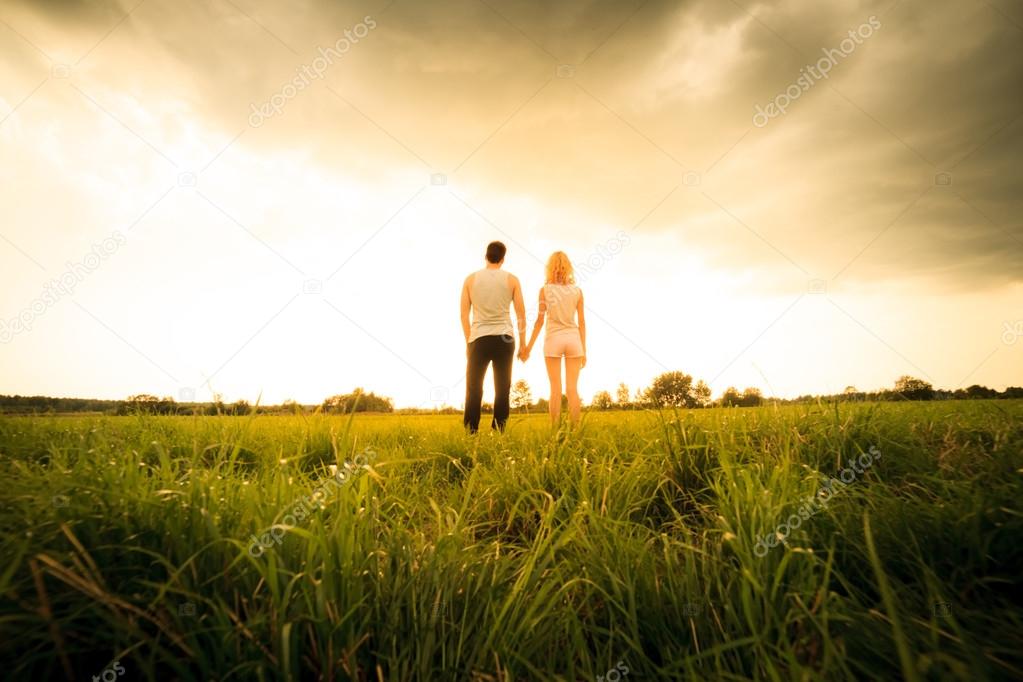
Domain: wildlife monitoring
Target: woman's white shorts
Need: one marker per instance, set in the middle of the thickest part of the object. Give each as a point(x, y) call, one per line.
point(565, 343)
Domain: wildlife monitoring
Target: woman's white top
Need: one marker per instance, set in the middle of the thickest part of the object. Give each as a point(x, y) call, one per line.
point(561, 300)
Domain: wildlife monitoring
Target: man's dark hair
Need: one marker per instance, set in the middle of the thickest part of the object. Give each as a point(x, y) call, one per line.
point(495, 252)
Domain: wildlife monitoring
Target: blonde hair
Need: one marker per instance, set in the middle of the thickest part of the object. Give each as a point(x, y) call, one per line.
point(559, 269)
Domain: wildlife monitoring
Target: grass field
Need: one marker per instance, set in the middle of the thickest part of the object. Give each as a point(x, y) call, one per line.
point(197, 549)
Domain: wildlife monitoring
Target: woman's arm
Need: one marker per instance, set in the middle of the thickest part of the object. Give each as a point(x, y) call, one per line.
point(539, 322)
point(582, 324)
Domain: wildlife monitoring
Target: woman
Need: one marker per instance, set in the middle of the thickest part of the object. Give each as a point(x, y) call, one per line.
point(561, 302)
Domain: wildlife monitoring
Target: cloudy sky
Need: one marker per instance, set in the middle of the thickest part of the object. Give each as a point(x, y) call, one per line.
point(282, 199)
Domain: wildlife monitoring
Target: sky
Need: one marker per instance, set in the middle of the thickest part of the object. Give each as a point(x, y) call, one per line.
point(277, 201)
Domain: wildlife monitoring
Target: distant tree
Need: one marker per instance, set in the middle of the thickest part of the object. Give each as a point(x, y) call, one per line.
point(853, 393)
point(217, 406)
point(521, 396)
point(751, 397)
point(358, 401)
point(602, 400)
point(701, 392)
point(291, 406)
point(1013, 392)
point(147, 404)
point(336, 403)
point(976, 391)
point(240, 407)
point(673, 389)
point(622, 394)
point(912, 388)
point(731, 397)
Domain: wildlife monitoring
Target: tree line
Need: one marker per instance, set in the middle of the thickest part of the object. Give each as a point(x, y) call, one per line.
point(677, 389)
point(358, 400)
point(670, 389)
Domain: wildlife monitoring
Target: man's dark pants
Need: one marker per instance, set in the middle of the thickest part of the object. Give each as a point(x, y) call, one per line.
point(499, 350)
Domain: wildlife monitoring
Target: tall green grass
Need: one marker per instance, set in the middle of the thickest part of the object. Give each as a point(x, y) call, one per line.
point(532, 555)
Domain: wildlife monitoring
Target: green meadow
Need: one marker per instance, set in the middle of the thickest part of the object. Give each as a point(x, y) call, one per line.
point(714, 544)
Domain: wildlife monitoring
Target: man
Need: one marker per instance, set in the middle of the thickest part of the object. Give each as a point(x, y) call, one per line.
point(489, 337)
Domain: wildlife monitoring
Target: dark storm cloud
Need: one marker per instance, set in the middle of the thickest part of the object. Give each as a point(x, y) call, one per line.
point(660, 88)
point(936, 90)
point(77, 12)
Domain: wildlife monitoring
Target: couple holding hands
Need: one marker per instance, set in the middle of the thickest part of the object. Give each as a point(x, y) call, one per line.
point(488, 295)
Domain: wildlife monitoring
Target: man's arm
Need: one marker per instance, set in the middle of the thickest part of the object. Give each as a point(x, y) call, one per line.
point(520, 310)
point(466, 304)
point(541, 312)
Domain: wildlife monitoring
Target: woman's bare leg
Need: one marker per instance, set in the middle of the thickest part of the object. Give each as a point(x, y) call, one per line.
point(572, 367)
point(554, 374)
